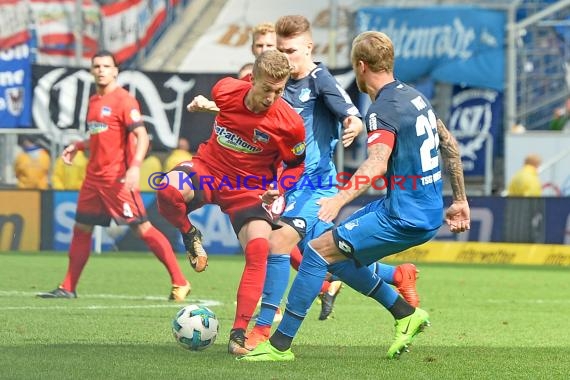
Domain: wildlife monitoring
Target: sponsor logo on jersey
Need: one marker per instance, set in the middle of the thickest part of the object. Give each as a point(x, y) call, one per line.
point(233, 141)
point(135, 115)
point(96, 127)
point(106, 111)
point(260, 136)
point(305, 95)
point(299, 149)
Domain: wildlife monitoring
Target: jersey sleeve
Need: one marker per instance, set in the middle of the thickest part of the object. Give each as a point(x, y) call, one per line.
point(335, 97)
point(378, 119)
point(219, 91)
point(131, 114)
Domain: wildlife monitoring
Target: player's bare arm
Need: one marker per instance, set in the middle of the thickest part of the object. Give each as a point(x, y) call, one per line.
point(457, 215)
point(352, 127)
point(375, 165)
point(202, 104)
point(133, 172)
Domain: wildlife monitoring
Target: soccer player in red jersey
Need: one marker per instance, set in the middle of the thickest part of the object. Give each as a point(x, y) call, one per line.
point(254, 131)
point(118, 143)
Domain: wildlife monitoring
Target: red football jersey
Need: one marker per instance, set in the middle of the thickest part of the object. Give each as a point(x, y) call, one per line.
point(110, 119)
point(244, 143)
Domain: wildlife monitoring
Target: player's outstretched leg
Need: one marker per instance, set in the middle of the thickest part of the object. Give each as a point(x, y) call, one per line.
point(173, 207)
point(406, 330)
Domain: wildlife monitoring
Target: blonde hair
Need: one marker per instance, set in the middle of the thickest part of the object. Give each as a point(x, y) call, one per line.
point(271, 64)
point(292, 26)
point(375, 49)
point(261, 29)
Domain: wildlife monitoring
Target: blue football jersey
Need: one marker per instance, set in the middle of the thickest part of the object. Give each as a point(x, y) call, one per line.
point(323, 104)
point(413, 179)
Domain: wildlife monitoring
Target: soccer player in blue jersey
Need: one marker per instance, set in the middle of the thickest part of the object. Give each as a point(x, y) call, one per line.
point(326, 110)
point(403, 138)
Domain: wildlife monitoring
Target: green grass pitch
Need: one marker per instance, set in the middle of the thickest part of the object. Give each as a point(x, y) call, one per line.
point(488, 322)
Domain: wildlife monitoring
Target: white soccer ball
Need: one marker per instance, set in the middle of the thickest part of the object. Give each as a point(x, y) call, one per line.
point(195, 327)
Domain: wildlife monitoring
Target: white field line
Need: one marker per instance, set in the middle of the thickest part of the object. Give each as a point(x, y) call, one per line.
point(20, 294)
point(530, 301)
point(90, 307)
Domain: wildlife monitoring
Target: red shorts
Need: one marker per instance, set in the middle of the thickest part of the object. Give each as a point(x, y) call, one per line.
point(240, 204)
point(99, 203)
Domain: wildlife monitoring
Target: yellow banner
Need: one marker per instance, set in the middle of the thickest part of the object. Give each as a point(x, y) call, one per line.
point(486, 253)
point(19, 220)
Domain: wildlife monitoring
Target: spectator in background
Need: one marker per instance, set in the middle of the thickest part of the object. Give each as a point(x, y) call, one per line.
point(178, 155)
point(526, 182)
point(561, 118)
point(32, 165)
point(151, 164)
point(69, 177)
point(245, 70)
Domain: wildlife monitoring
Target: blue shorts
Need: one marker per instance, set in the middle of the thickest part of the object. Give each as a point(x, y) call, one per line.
point(370, 234)
point(301, 213)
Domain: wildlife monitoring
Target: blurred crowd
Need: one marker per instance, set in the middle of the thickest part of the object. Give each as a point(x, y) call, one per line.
point(34, 169)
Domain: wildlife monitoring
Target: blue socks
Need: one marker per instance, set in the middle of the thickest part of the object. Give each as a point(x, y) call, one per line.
point(303, 292)
point(276, 281)
point(365, 281)
point(386, 272)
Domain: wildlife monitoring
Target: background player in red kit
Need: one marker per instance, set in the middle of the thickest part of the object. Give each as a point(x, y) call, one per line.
point(118, 143)
point(254, 132)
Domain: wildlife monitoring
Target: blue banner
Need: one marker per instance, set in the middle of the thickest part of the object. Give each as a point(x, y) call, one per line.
point(219, 236)
point(476, 115)
point(461, 45)
point(15, 87)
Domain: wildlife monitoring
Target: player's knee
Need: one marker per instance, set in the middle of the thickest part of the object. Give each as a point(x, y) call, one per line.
point(140, 229)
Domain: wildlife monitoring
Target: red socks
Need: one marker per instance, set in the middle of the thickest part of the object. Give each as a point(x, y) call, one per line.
point(160, 246)
point(172, 207)
point(252, 280)
point(79, 251)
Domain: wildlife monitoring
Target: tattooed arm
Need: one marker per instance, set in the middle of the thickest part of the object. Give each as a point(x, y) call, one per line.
point(375, 165)
point(457, 215)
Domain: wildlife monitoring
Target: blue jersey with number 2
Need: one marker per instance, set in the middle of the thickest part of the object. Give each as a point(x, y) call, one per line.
point(413, 179)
